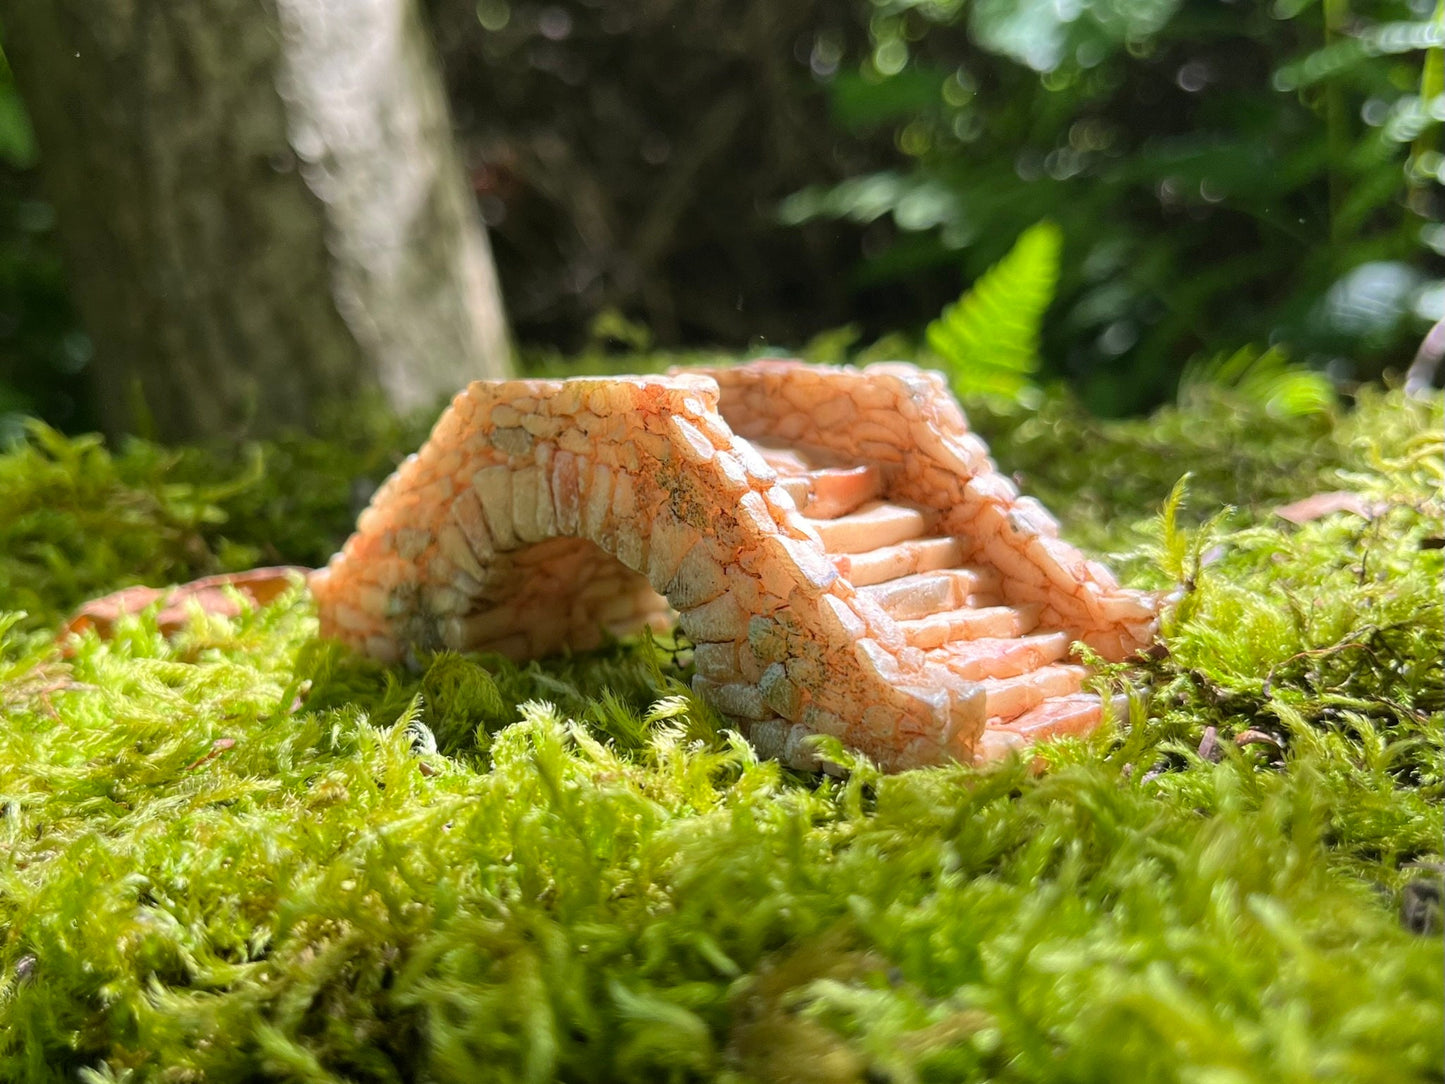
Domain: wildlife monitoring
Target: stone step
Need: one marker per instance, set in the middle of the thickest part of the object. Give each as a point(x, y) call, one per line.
point(926, 593)
point(901, 559)
point(1002, 657)
point(836, 491)
point(969, 624)
point(1008, 698)
point(797, 487)
point(829, 492)
point(876, 524)
point(1077, 713)
point(787, 460)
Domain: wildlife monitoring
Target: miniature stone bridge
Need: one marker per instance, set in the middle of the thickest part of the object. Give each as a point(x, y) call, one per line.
point(835, 542)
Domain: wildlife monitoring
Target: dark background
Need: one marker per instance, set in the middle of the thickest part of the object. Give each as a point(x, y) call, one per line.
point(740, 173)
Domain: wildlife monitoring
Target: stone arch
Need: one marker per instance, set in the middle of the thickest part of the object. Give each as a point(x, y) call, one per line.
point(627, 499)
point(541, 513)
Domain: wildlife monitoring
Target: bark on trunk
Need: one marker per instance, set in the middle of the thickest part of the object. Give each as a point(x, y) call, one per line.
point(261, 205)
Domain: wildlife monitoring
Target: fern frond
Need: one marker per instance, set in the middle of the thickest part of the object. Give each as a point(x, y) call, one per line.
point(1268, 379)
point(988, 340)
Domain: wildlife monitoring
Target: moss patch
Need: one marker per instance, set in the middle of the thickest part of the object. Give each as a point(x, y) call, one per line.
point(244, 854)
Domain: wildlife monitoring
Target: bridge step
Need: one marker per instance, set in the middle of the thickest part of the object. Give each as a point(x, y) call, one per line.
point(1002, 657)
point(887, 550)
point(1008, 698)
point(789, 461)
point(1076, 713)
point(835, 491)
point(876, 524)
point(901, 559)
point(926, 593)
point(797, 487)
point(969, 623)
point(821, 486)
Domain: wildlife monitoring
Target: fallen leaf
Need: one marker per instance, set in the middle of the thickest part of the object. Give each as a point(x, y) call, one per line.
point(259, 585)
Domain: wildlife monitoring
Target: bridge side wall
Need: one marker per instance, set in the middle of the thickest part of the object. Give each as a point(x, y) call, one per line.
point(540, 511)
point(906, 420)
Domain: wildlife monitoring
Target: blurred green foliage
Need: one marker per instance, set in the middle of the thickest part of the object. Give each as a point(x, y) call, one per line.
point(1222, 173)
point(988, 344)
point(1267, 378)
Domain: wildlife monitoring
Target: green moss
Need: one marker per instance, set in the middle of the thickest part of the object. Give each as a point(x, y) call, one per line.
point(243, 854)
point(76, 520)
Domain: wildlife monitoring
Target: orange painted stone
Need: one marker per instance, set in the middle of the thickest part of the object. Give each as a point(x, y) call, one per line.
point(258, 586)
point(835, 541)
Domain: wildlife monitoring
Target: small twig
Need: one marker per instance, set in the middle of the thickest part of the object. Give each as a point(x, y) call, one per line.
point(1246, 738)
point(219, 746)
point(1318, 652)
point(1257, 737)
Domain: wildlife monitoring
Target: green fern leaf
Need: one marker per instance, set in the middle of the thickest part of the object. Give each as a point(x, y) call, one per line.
point(988, 340)
point(1269, 380)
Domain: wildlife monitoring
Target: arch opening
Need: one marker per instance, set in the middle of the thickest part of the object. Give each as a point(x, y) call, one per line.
point(561, 593)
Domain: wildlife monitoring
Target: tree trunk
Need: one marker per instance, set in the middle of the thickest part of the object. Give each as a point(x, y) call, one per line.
point(261, 206)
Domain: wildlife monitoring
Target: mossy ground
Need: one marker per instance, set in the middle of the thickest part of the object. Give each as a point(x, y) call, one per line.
point(243, 854)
